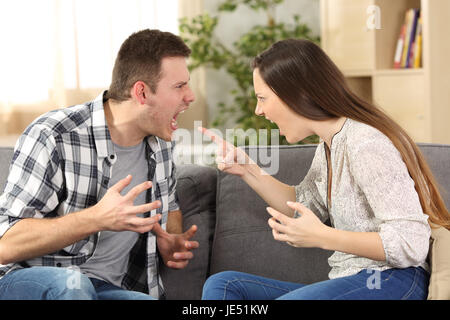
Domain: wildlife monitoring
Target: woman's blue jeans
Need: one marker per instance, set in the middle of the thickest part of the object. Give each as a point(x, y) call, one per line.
point(393, 284)
point(51, 283)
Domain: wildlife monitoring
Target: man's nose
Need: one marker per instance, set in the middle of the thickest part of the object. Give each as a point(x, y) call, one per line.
point(190, 96)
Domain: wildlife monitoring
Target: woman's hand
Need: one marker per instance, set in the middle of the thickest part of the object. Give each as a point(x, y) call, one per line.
point(229, 158)
point(175, 249)
point(306, 231)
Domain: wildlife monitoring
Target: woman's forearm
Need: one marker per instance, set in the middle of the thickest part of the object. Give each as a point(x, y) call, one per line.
point(274, 192)
point(362, 244)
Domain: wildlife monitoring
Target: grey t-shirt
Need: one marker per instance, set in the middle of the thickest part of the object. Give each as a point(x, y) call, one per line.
point(110, 259)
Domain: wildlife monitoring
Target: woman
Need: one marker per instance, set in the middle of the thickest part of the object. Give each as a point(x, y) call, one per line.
point(367, 176)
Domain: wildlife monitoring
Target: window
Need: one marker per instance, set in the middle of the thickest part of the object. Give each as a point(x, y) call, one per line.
point(51, 45)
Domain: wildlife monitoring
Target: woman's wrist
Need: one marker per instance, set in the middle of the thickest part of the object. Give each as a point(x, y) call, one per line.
point(325, 239)
point(252, 172)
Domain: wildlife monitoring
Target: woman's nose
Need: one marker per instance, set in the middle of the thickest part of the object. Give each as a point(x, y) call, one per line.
point(258, 111)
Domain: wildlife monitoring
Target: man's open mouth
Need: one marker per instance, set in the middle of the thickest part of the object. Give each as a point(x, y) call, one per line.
point(174, 123)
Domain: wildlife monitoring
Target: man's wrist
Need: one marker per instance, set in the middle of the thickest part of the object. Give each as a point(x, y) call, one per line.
point(87, 219)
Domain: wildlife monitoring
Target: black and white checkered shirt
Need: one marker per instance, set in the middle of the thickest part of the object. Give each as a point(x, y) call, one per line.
point(62, 163)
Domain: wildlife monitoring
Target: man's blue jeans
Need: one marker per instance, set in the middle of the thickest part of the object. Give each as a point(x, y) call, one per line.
point(51, 283)
point(393, 284)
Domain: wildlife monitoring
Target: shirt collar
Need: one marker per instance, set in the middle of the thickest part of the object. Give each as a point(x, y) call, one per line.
point(100, 129)
point(338, 136)
point(102, 137)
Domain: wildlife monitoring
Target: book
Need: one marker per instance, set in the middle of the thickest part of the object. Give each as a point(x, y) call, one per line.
point(417, 59)
point(399, 49)
point(411, 41)
point(408, 22)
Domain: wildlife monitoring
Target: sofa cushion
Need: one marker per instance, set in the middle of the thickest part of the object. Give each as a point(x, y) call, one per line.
point(243, 240)
point(437, 157)
point(196, 191)
point(439, 259)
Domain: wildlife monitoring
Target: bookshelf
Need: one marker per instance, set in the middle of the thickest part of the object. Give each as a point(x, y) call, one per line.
point(418, 99)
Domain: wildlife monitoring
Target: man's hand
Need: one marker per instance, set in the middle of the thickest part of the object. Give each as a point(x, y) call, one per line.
point(115, 212)
point(175, 249)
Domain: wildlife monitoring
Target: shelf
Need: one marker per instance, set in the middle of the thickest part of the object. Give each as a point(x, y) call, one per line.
point(417, 99)
point(399, 72)
point(358, 73)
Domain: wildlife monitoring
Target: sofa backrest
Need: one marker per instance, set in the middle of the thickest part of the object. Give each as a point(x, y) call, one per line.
point(243, 240)
point(6, 154)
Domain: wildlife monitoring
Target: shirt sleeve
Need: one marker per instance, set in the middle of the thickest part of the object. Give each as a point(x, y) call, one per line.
point(307, 191)
point(383, 177)
point(34, 179)
point(173, 198)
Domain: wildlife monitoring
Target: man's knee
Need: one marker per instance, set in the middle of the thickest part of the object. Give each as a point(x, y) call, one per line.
point(49, 283)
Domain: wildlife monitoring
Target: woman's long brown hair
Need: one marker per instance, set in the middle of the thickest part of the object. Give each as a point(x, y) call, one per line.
point(302, 75)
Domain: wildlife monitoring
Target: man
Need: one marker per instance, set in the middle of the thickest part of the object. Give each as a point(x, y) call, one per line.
point(90, 199)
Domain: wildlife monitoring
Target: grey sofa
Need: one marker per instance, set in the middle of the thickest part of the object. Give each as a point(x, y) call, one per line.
point(232, 222)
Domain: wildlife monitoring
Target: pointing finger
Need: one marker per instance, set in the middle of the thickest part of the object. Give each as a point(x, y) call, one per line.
point(210, 134)
point(217, 139)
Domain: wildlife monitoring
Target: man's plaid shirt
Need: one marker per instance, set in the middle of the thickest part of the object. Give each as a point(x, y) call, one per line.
point(62, 164)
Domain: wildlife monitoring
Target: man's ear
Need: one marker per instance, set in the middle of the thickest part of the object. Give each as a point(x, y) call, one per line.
point(140, 92)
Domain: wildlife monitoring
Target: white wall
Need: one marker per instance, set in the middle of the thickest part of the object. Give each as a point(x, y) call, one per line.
point(233, 24)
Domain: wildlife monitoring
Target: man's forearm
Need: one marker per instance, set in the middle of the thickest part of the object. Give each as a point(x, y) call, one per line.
point(31, 238)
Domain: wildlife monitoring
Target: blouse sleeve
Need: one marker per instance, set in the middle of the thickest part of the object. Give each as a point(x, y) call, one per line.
point(307, 191)
point(382, 175)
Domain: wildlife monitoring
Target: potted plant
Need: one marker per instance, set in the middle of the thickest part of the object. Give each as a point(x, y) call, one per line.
point(209, 51)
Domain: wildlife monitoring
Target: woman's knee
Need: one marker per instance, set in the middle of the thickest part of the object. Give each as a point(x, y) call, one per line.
point(217, 284)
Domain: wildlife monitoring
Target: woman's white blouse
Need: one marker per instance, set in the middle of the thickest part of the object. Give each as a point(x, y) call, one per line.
point(371, 191)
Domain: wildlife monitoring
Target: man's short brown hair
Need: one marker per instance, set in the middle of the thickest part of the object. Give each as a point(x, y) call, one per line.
point(139, 59)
